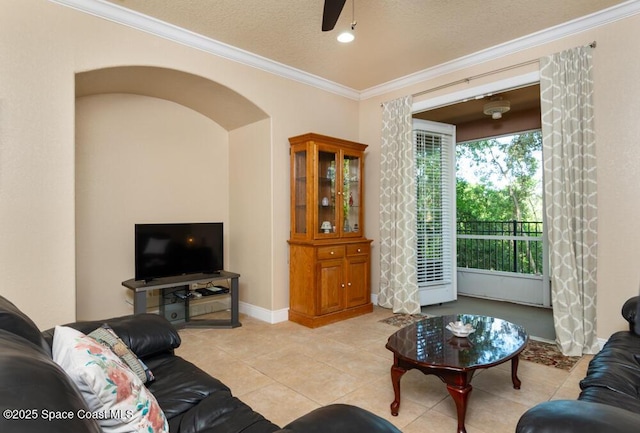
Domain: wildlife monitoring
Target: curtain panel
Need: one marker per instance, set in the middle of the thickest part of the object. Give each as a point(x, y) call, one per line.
point(569, 153)
point(398, 279)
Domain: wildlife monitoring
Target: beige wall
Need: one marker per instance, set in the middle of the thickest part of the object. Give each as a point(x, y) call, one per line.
point(617, 107)
point(44, 45)
point(139, 160)
point(251, 213)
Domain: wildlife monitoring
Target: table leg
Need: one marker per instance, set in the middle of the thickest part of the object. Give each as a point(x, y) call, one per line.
point(460, 397)
point(514, 371)
point(139, 302)
point(396, 374)
point(235, 311)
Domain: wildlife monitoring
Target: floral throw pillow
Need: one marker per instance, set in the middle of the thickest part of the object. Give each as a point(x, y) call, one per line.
point(116, 397)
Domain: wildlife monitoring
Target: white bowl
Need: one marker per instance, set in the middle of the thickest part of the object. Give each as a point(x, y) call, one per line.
point(460, 331)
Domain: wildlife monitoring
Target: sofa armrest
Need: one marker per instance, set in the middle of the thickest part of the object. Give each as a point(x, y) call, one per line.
point(339, 418)
point(563, 416)
point(32, 387)
point(630, 312)
point(145, 334)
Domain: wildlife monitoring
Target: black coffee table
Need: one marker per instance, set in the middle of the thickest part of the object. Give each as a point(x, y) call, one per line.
point(431, 348)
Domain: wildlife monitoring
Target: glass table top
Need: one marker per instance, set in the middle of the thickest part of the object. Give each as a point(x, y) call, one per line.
point(429, 342)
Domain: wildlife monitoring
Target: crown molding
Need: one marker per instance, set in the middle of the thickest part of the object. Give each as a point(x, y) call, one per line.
point(118, 14)
point(136, 20)
point(606, 16)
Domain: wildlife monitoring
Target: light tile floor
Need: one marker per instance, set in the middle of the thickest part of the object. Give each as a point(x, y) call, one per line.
point(286, 370)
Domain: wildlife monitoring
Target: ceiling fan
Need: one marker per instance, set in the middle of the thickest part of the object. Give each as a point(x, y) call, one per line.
point(332, 10)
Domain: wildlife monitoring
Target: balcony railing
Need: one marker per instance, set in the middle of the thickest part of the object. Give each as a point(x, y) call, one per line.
point(508, 246)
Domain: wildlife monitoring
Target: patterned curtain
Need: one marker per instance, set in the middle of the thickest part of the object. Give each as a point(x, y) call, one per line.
point(398, 279)
point(569, 152)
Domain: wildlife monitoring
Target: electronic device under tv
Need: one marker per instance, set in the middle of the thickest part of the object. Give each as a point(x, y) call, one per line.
point(174, 249)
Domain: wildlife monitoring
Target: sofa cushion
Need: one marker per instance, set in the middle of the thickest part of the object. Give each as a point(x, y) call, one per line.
point(341, 417)
point(193, 401)
point(15, 321)
point(108, 386)
point(222, 413)
point(32, 381)
point(613, 376)
point(179, 385)
point(571, 416)
point(107, 337)
point(610, 397)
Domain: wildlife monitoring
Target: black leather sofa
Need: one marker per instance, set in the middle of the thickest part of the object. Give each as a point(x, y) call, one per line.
point(192, 400)
point(610, 393)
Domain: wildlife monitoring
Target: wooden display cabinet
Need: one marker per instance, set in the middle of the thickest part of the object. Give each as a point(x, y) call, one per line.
point(329, 257)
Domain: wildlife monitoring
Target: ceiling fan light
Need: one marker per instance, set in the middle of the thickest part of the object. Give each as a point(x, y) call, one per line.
point(496, 108)
point(346, 37)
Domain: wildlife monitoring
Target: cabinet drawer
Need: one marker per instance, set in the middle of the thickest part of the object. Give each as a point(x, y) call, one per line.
point(357, 249)
point(333, 252)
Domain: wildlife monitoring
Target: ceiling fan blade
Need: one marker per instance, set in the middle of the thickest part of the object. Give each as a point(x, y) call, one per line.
point(332, 9)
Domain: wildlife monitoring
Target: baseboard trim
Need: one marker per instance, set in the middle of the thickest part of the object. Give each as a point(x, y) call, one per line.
point(374, 299)
point(601, 342)
point(269, 316)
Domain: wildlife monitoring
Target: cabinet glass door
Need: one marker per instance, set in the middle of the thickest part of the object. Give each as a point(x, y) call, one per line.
point(351, 195)
point(299, 193)
point(327, 200)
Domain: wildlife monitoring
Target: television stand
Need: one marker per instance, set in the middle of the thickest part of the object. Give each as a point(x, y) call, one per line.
point(169, 285)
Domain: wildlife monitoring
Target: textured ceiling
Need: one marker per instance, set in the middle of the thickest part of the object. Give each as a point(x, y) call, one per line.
point(394, 38)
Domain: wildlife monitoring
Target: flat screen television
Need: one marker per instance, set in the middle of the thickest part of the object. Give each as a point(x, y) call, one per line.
point(173, 249)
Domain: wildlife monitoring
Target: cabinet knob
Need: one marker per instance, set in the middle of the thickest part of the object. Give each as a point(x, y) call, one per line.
point(342, 285)
point(349, 284)
point(332, 253)
point(359, 250)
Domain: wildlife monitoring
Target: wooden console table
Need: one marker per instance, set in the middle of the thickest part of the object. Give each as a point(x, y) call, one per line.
point(140, 289)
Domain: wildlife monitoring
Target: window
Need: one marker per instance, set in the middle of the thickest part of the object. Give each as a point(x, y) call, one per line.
point(435, 204)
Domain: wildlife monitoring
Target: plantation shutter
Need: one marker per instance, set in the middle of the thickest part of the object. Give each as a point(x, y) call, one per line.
point(435, 191)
